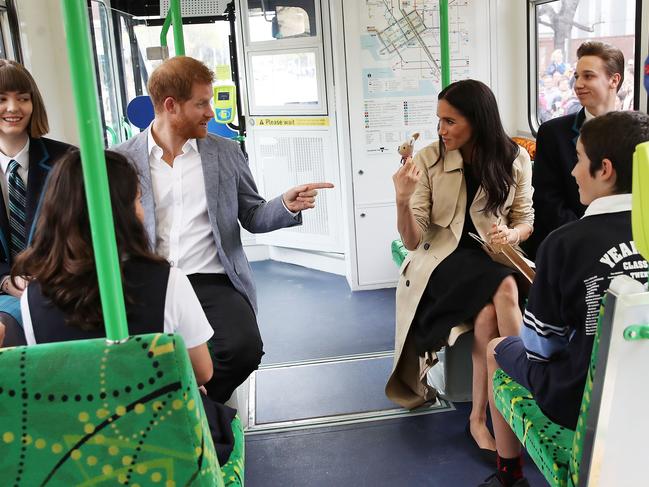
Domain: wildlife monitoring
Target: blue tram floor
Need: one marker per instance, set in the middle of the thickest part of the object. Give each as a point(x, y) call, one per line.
point(311, 324)
point(414, 451)
point(306, 314)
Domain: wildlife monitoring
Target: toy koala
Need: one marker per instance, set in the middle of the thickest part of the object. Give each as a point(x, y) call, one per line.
point(406, 149)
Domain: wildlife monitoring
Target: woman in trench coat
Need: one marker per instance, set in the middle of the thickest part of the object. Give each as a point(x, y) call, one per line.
point(475, 179)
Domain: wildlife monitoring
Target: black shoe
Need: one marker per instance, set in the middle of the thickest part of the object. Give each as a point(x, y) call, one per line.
point(494, 481)
point(487, 455)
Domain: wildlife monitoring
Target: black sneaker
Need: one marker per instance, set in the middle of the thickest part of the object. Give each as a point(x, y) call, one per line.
point(493, 481)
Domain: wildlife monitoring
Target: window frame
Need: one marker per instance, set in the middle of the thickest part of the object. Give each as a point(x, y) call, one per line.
point(313, 44)
point(11, 31)
point(319, 108)
point(532, 61)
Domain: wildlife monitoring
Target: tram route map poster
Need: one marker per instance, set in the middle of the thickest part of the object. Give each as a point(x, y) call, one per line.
point(401, 67)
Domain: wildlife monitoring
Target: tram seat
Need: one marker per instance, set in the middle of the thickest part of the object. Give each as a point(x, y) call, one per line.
point(451, 375)
point(556, 451)
point(528, 144)
point(240, 402)
point(88, 412)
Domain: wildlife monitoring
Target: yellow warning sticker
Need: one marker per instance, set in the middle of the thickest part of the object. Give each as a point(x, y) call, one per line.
point(292, 121)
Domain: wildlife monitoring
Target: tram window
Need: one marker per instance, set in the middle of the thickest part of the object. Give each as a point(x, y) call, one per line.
point(127, 59)
point(207, 42)
point(558, 28)
point(285, 80)
point(281, 19)
point(7, 37)
point(3, 51)
point(108, 80)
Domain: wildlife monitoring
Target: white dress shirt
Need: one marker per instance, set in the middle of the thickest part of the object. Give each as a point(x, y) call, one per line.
point(183, 229)
point(589, 116)
point(614, 203)
point(22, 158)
point(183, 313)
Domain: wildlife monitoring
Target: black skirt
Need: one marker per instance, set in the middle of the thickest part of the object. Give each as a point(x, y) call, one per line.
point(459, 287)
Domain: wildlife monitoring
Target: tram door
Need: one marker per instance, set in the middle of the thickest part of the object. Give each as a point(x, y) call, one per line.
point(290, 120)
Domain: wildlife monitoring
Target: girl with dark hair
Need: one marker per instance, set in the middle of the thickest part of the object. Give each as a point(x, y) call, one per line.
point(62, 300)
point(474, 179)
point(25, 160)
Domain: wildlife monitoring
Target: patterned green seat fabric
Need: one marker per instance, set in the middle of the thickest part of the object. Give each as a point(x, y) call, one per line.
point(547, 443)
point(399, 252)
point(86, 413)
point(232, 471)
point(556, 450)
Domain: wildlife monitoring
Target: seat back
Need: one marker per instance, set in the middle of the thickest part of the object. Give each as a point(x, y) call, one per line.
point(528, 144)
point(85, 412)
point(399, 252)
point(580, 431)
point(640, 213)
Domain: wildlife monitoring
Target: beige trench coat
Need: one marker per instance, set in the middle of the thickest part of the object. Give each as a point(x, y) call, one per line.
point(439, 206)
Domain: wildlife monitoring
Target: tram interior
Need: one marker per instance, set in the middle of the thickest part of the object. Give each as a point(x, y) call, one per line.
point(326, 91)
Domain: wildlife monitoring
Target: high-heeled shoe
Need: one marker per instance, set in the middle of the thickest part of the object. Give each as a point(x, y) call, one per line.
point(487, 455)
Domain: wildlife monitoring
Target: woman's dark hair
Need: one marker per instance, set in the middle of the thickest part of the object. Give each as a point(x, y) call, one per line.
point(493, 151)
point(61, 257)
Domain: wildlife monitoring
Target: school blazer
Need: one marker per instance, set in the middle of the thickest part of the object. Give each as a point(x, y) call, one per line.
point(439, 207)
point(232, 197)
point(43, 153)
point(556, 196)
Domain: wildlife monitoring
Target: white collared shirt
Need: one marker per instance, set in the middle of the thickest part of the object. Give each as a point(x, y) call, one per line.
point(183, 230)
point(609, 204)
point(22, 158)
point(589, 116)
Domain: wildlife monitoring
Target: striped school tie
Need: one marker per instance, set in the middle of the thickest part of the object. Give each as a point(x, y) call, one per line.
point(17, 204)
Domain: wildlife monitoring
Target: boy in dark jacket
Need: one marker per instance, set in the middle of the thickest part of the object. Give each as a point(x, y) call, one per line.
point(575, 266)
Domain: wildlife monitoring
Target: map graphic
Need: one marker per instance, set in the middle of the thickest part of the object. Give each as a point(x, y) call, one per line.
point(401, 66)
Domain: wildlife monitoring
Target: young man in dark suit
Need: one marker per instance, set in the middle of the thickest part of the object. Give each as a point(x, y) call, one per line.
point(598, 77)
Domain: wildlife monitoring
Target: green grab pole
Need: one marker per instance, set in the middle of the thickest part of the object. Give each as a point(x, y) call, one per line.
point(636, 332)
point(165, 29)
point(177, 21)
point(84, 85)
point(174, 16)
point(444, 43)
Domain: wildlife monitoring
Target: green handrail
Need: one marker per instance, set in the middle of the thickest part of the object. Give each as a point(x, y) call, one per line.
point(84, 85)
point(174, 17)
point(165, 29)
point(636, 332)
point(444, 43)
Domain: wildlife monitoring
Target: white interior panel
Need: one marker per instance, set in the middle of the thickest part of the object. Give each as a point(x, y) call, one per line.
point(291, 157)
point(376, 228)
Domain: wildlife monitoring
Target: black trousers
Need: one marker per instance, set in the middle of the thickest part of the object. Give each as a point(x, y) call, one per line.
point(236, 346)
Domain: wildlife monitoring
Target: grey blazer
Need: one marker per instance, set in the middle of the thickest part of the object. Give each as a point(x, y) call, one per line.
point(231, 196)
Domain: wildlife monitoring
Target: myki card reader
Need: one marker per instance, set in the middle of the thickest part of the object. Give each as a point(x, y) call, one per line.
point(225, 103)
